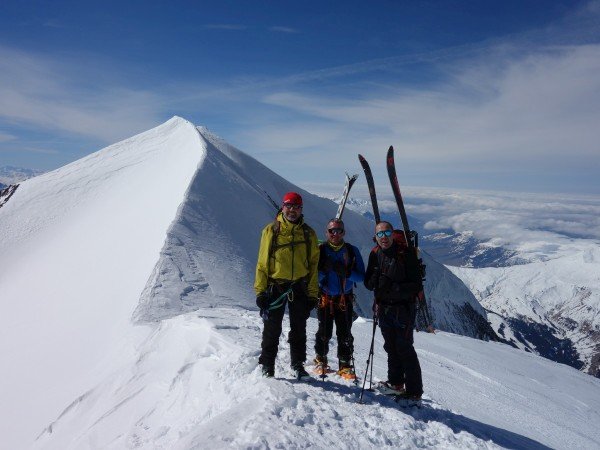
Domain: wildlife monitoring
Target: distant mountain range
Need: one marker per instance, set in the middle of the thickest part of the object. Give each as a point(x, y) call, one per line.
point(13, 175)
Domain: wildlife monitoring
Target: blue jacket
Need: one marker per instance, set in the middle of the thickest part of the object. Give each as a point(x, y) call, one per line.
point(329, 281)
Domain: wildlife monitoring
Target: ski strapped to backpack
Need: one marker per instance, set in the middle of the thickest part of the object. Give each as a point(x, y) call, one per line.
point(411, 237)
point(371, 186)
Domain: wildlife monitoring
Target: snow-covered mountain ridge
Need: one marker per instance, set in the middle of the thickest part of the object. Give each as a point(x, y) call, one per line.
point(128, 321)
point(549, 307)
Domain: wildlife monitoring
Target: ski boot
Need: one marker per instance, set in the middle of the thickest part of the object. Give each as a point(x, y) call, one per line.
point(268, 371)
point(300, 373)
point(387, 388)
point(321, 366)
point(346, 371)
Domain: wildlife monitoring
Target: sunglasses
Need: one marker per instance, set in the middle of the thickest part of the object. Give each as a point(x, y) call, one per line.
point(336, 231)
point(383, 233)
point(292, 206)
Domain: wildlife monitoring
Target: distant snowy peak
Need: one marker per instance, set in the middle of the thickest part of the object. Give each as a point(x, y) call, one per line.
point(13, 175)
point(464, 250)
point(209, 254)
point(549, 308)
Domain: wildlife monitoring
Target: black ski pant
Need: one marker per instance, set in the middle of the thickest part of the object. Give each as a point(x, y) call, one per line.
point(299, 311)
point(396, 323)
point(343, 325)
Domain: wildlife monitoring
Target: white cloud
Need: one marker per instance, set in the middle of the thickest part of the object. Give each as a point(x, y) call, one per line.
point(5, 137)
point(541, 105)
point(66, 96)
point(529, 223)
point(536, 226)
point(280, 29)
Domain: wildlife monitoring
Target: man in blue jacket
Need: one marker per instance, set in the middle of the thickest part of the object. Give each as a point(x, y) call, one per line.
point(340, 266)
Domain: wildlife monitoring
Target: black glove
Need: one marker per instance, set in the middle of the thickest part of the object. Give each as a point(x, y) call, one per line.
point(262, 300)
point(339, 268)
point(313, 302)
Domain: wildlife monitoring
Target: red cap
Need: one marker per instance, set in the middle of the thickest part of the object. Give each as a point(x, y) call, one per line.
point(292, 197)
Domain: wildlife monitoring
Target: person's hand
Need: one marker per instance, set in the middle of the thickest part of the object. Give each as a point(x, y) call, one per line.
point(313, 302)
point(262, 300)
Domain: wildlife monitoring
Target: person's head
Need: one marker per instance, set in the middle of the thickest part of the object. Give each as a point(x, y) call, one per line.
point(383, 234)
point(335, 231)
point(292, 206)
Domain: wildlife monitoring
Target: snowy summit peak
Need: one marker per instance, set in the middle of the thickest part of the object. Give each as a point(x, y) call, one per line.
point(128, 319)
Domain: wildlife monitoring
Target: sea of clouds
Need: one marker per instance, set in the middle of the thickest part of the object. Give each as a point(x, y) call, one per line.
point(538, 226)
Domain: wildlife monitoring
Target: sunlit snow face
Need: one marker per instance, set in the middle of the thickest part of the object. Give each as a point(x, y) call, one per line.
point(384, 241)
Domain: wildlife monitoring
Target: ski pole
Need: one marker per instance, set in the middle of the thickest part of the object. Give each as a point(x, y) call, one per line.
point(369, 361)
point(323, 365)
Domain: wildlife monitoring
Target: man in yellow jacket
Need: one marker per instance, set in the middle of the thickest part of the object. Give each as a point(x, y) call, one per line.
point(286, 273)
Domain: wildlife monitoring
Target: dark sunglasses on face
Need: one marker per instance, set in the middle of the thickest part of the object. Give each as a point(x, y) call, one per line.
point(383, 233)
point(292, 206)
point(336, 231)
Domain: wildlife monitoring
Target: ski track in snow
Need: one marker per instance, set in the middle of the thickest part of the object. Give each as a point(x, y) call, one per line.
point(195, 384)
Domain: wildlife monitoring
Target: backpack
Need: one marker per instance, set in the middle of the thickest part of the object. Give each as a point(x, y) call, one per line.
point(400, 239)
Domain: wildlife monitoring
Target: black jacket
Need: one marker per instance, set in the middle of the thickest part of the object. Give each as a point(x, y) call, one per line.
point(393, 274)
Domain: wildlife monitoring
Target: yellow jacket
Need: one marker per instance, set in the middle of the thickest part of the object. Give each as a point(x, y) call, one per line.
point(288, 259)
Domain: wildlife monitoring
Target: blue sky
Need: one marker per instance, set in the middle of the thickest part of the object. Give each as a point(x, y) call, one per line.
point(472, 94)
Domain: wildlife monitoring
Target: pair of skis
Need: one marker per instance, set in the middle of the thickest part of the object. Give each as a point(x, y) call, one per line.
point(411, 237)
point(338, 215)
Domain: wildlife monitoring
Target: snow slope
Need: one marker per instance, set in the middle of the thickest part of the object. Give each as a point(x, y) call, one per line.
point(126, 293)
point(195, 384)
point(75, 253)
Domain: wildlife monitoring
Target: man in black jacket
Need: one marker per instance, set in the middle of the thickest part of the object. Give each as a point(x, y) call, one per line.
point(393, 273)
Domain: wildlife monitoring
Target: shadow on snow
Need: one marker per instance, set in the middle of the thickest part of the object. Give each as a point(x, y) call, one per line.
point(428, 413)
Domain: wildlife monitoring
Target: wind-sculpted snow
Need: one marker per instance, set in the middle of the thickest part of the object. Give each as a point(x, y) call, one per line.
point(76, 248)
point(194, 383)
